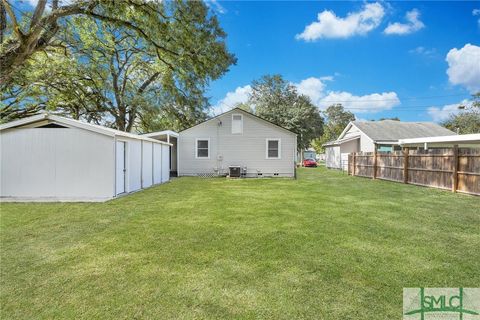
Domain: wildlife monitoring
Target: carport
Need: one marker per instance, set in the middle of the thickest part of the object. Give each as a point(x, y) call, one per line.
point(170, 137)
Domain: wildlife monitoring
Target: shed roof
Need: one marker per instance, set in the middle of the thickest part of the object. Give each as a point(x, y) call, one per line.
point(76, 123)
point(391, 130)
point(473, 138)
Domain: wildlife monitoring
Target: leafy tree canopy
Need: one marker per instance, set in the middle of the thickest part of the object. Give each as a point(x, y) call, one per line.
point(337, 118)
point(467, 121)
point(276, 100)
point(110, 72)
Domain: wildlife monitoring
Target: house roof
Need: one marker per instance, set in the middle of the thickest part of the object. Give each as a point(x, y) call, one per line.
point(391, 130)
point(77, 124)
point(246, 112)
point(340, 141)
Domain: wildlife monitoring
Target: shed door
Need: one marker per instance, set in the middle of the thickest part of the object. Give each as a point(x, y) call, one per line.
point(120, 168)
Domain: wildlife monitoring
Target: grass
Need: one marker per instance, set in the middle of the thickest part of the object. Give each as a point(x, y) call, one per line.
point(325, 246)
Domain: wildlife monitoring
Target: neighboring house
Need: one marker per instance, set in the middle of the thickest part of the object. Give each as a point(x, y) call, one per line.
point(250, 145)
point(51, 158)
point(383, 136)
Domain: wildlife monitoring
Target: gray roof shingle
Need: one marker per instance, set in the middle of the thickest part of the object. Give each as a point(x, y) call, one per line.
point(394, 130)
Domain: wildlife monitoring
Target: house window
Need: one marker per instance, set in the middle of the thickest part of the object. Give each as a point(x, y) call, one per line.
point(273, 148)
point(202, 148)
point(237, 124)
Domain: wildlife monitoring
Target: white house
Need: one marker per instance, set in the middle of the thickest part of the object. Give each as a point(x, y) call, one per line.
point(51, 158)
point(383, 136)
point(237, 143)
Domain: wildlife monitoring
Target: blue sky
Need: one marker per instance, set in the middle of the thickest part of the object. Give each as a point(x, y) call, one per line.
point(380, 59)
point(412, 60)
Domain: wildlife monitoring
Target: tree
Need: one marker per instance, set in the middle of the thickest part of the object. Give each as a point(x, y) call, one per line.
point(162, 25)
point(278, 101)
point(337, 118)
point(106, 73)
point(244, 107)
point(391, 118)
point(467, 121)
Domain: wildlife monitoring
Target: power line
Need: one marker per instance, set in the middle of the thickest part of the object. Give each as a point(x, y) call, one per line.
point(405, 108)
point(384, 100)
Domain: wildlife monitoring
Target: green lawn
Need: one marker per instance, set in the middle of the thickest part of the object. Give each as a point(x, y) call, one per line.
point(325, 246)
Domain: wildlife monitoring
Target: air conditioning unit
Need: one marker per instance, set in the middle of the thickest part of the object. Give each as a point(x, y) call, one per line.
point(234, 171)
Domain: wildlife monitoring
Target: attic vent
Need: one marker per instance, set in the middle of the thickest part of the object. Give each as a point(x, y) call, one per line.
point(52, 125)
point(237, 124)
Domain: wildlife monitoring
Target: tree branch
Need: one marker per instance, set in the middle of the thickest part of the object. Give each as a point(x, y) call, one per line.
point(13, 18)
point(38, 12)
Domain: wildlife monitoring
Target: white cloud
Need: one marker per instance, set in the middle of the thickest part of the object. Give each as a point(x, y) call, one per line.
point(314, 88)
point(413, 24)
point(369, 103)
point(355, 23)
point(439, 114)
point(476, 12)
point(424, 51)
point(240, 95)
point(216, 6)
point(464, 67)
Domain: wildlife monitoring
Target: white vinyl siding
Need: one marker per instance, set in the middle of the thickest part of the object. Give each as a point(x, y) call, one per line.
point(147, 165)
point(56, 164)
point(165, 163)
point(202, 148)
point(227, 149)
point(237, 123)
point(273, 148)
point(73, 164)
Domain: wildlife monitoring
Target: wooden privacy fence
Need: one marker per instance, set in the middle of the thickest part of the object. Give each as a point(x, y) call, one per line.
point(456, 169)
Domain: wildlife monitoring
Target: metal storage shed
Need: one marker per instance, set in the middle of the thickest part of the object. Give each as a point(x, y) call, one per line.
point(52, 158)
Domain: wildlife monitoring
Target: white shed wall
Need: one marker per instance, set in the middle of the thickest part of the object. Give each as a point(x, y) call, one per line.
point(147, 160)
point(227, 149)
point(165, 163)
point(157, 164)
point(332, 157)
point(56, 164)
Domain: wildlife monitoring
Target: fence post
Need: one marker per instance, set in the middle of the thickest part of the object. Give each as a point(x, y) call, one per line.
point(405, 165)
point(349, 172)
point(353, 170)
point(374, 176)
point(455, 169)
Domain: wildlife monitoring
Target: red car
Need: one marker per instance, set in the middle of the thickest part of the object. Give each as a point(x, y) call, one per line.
point(309, 163)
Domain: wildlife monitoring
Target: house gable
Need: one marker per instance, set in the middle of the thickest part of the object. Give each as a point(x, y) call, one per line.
point(245, 114)
point(246, 146)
